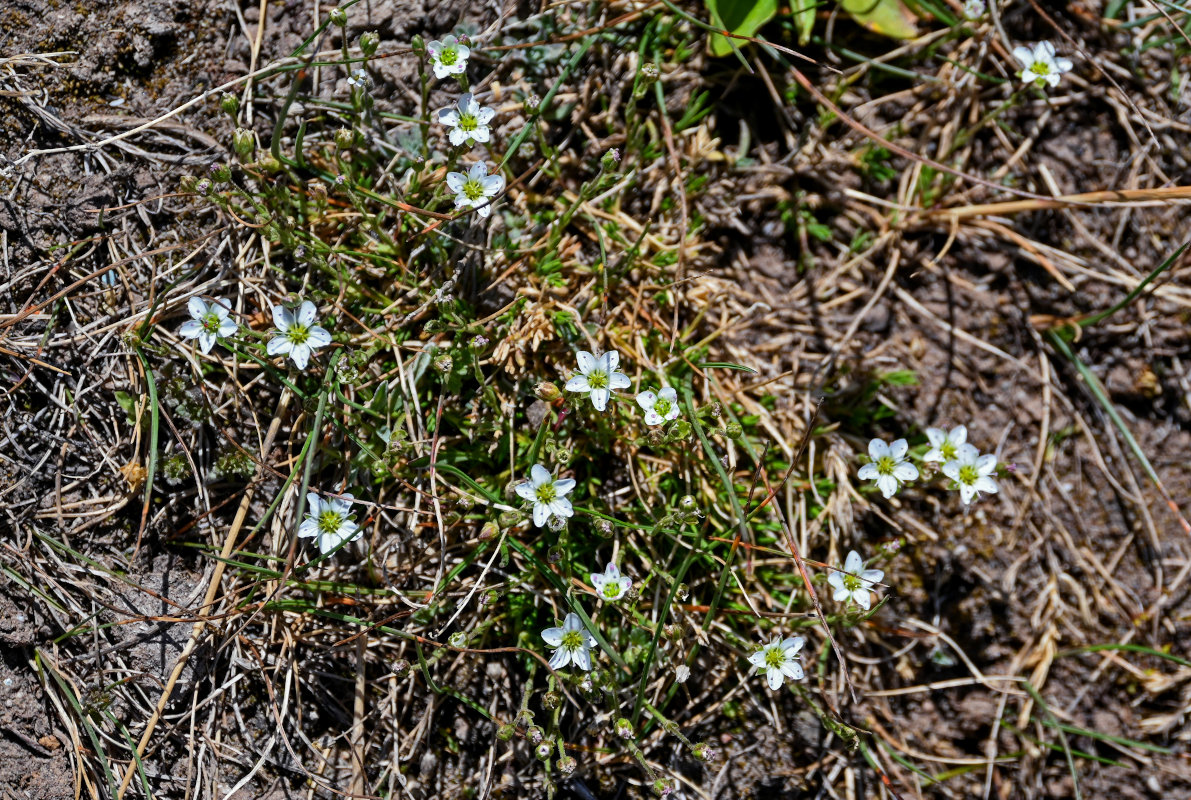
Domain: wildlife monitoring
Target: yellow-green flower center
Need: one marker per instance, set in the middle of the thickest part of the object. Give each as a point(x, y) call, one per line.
point(448, 56)
point(662, 406)
point(886, 465)
point(572, 640)
point(852, 582)
point(329, 521)
point(968, 474)
point(948, 450)
point(597, 379)
point(473, 189)
point(468, 122)
point(1040, 68)
point(210, 322)
point(774, 658)
point(298, 333)
point(612, 589)
point(545, 493)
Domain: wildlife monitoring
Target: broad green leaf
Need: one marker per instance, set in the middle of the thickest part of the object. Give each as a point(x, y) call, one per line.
point(803, 12)
point(742, 17)
point(886, 17)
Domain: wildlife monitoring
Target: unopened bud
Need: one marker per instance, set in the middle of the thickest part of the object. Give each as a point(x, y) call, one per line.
point(457, 639)
point(401, 668)
point(270, 164)
point(506, 732)
point(508, 519)
point(369, 42)
point(203, 186)
point(705, 752)
point(544, 750)
point(243, 143)
point(566, 765)
point(604, 528)
point(418, 45)
point(443, 363)
point(624, 728)
point(489, 531)
point(479, 342)
point(547, 392)
point(733, 430)
point(229, 103)
point(688, 503)
point(556, 523)
point(220, 173)
point(345, 138)
point(535, 735)
point(551, 700)
point(338, 17)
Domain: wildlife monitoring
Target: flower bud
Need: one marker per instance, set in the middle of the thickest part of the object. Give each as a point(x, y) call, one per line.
point(506, 732)
point(535, 735)
point(547, 392)
point(562, 456)
point(489, 531)
point(203, 186)
point(624, 728)
point(418, 45)
point(243, 143)
point(604, 527)
point(220, 173)
point(649, 72)
point(554, 555)
point(533, 103)
point(188, 183)
point(444, 363)
point(610, 159)
point(661, 787)
point(705, 752)
point(688, 503)
point(270, 164)
point(673, 632)
point(566, 765)
point(556, 524)
point(655, 437)
point(489, 598)
point(508, 519)
point(457, 639)
point(229, 103)
point(345, 138)
point(733, 430)
point(338, 17)
point(525, 717)
point(401, 668)
point(551, 700)
point(369, 42)
point(544, 750)
point(682, 673)
point(479, 342)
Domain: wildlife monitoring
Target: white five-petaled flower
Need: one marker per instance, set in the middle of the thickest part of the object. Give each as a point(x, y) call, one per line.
point(889, 467)
point(972, 472)
point(944, 444)
point(779, 659)
point(210, 321)
point(659, 408)
point(476, 188)
point(573, 643)
point(297, 335)
point(358, 79)
point(448, 57)
point(329, 522)
point(1040, 66)
point(598, 376)
point(855, 583)
point(468, 121)
point(610, 584)
point(547, 495)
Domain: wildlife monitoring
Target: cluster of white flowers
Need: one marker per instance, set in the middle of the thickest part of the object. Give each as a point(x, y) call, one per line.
point(971, 472)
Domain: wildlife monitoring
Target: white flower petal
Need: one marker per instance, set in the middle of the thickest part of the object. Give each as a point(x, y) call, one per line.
point(307, 313)
point(578, 384)
point(197, 307)
point(599, 398)
point(279, 345)
point(560, 658)
point(541, 513)
point(1024, 55)
point(836, 580)
point(863, 598)
point(877, 449)
point(553, 636)
point(282, 318)
point(951, 470)
point(581, 658)
point(618, 380)
point(540, 475)
point(646, 399)
point(985, 484)
point(300, 355)
point(888, 485)
point(564, 486)
point(853, 563)
point(190, 328)
point(654, 418)
point(868, 472)
point(898, 449)
point(493, 184)
point(905, 471)
point(455, 181)
point(478, 172)
point(561, 507)
point(775, 677)
point(587, 362)
point(457, 136)
point(525, 490)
